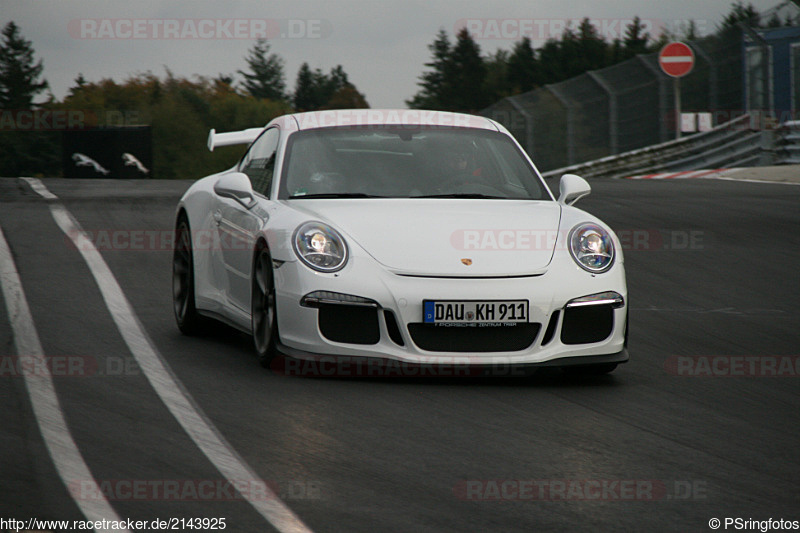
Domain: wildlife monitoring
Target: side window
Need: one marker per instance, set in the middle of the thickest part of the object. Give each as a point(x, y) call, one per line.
point(259, 162)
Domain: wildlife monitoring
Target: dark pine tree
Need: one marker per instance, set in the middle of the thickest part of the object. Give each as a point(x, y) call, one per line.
point(593, 48)
point(316, 90)
point(635, 40)
point(432, 93)
point(312, 89)
point(497, 75)
point(466, 85)
point(265, 78)
point(23, 152)
point(523, 67)
point(19, 71)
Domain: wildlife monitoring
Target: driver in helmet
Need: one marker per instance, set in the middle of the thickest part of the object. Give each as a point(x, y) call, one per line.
point(460, 168)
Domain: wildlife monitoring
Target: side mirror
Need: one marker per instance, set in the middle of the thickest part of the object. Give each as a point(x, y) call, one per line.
point(236, 186)
point(572, 188)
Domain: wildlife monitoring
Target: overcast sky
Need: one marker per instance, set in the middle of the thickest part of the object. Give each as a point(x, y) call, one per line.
point(382, 44)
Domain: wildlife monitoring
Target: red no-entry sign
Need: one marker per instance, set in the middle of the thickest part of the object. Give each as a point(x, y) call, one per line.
point(676, 59)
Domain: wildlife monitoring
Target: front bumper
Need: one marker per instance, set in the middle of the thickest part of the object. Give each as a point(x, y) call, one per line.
point(396, 316)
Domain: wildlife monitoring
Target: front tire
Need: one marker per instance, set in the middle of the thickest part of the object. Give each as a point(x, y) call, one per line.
point(186, 316)
point(264, 316)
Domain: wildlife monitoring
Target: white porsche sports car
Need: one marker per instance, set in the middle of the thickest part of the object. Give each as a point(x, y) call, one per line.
point(413, 236)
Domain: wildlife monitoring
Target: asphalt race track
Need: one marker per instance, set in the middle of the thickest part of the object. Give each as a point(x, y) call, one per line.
point(701, 424)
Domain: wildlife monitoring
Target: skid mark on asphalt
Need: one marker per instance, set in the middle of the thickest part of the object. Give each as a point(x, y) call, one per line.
point(165, 383)
point(64, 453)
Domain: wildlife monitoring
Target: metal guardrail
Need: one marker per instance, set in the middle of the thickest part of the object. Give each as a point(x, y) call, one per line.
point(788, 144)
point(738, 143)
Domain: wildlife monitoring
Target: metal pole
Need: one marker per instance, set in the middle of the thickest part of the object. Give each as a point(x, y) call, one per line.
point(677, 89)
point(613, 114)
point(663, 104)
point(570, 107)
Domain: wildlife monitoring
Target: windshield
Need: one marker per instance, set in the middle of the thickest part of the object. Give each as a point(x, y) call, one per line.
point(406, 162)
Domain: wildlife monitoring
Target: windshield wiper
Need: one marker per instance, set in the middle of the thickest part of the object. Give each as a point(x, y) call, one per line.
point(334, 195)
point(461, 195)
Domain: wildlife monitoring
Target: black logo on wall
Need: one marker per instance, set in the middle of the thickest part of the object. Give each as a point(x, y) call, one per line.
point(122, 152)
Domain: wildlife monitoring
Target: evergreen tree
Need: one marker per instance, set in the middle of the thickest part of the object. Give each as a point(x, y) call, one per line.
point(498, 84)
point(223, 84)
point(432, 93)
point(741, 14)
point(690, 32)
point(635, 40)
point(552, 62)
point(616, 52)
point(265, 79)
point(80, 83)
point(570, 52)
point(458, 81)
point(523, 68)
point(19, 72)
point(593, 49)
point(339, 93)
point(337, 79)
point(466, 85)
point(316, 90)
point(32, 153)
point(306, 91)
point(347, 97)
point(224, 79)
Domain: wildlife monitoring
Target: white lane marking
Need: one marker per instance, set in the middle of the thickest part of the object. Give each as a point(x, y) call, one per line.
point(64, 453)
point(167, 385)
point(39, 187)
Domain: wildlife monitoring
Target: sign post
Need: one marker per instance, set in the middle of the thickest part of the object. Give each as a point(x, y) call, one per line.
point(676, 59)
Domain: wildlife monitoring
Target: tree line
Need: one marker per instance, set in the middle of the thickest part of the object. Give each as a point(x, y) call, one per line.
point(460, 78)
point(181, 110)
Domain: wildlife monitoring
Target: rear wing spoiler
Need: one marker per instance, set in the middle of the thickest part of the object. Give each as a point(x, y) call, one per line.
point(233, 137)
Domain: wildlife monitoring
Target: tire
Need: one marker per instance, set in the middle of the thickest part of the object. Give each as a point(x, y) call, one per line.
point(183, 304)
point(264, 316)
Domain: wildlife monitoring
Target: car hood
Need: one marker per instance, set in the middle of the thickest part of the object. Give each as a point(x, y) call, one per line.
point(446, 237)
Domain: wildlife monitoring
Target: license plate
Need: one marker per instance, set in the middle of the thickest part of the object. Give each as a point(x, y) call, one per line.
point(475, 311)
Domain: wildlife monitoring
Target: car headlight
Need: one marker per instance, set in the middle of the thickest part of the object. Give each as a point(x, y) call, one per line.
point(591, 247)
point(320, 247)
